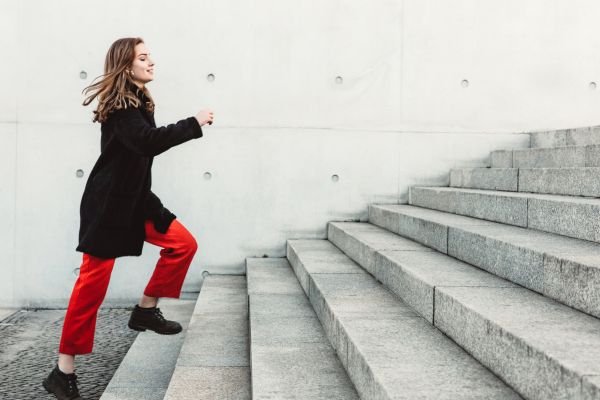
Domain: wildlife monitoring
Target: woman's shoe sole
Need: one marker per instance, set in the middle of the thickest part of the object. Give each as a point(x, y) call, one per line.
point(143, 329)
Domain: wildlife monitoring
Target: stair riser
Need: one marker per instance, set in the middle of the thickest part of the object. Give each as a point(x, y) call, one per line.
point(562, 181)
point(519, 265)
point(566, 137)
point(566, 157)
point(572, 182)
point(507, 210)
point(550, 158)
point(485, 178)
point(574, 284)
point(580, 221)
point(501, 159)
point(533, 374)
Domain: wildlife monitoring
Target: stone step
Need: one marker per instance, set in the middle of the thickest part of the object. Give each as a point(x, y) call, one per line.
point(541, 348)
point(547, 157)
point(575, 217)
point(577, 181)
point(214, 359)
point(562, 268)
point(566, 137)
point(291, 357)
point(388, 350)
point(146, 370)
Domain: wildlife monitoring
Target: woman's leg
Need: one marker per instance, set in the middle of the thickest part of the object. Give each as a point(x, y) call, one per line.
point(80, 320)
point(179, 247)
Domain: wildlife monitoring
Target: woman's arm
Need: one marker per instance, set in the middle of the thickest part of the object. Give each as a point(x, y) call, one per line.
point(130, 128)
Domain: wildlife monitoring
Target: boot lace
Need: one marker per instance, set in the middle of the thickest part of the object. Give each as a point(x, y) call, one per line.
point(159, 315)
point(72, 385)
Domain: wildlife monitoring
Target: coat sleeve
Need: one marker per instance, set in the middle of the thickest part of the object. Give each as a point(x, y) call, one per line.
point(139, 136)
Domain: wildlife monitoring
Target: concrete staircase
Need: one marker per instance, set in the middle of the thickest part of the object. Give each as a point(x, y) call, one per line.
point(487, 289)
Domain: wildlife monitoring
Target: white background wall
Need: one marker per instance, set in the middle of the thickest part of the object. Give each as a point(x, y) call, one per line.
point(283, 125)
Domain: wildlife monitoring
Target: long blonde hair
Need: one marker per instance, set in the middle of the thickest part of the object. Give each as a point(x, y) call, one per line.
point(115, 88)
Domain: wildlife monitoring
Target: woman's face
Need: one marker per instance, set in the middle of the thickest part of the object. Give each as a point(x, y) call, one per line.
point(143, 67)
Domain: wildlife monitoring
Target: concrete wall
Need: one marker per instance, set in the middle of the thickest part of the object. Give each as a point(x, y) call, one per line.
point(284, 126)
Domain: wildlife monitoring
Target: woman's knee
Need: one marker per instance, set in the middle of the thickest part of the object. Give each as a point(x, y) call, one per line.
point(192, 245)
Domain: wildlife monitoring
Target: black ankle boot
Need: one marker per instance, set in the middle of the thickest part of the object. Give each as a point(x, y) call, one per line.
point(152, 318)
point(63, 386)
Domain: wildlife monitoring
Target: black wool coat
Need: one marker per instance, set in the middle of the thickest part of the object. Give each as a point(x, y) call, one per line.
point(117, 199)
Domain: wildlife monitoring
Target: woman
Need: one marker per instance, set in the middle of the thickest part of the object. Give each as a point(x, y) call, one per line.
point(119, 211)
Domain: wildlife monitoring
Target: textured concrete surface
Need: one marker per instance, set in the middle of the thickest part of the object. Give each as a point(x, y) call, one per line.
point(566, 137)
point(485, 178)
point(427, 227)
point(507, 257)
point(563, 268)
point(412, 273)
point(592, 156)
point(506, 207)
point(538, 346)
point(414, 277)
point(322, 260)
point(575, 217)
point(209, 383)
point(392, 353)
point(571, 156)
point(291, 356)
point(501, 159)
point(271, 275)
point(377, 238)
point(581, 181)
point(214, 358)
point(451, 373)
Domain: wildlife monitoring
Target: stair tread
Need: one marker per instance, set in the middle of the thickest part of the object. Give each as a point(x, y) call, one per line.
point(291, 356)
point(214, 358)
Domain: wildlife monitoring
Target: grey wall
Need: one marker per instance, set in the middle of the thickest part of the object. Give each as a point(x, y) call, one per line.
point(283, 125)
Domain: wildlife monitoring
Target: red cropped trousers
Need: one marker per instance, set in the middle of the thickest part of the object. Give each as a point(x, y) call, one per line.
point(179, 247)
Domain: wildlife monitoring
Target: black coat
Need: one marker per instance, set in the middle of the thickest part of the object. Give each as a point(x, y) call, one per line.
point(117, 198)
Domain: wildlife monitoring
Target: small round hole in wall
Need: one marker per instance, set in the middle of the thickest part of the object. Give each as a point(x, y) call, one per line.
point(205, 274)
point(76, 272)
point(464, 83)
point(83, 75)
point(339, 80)
point(207, 176)
point(335, 178)
point(593, 85)
point(210, 77)
point(79, 173)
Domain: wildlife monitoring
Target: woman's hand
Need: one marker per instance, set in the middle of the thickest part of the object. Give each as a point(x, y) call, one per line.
point(205, 117)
